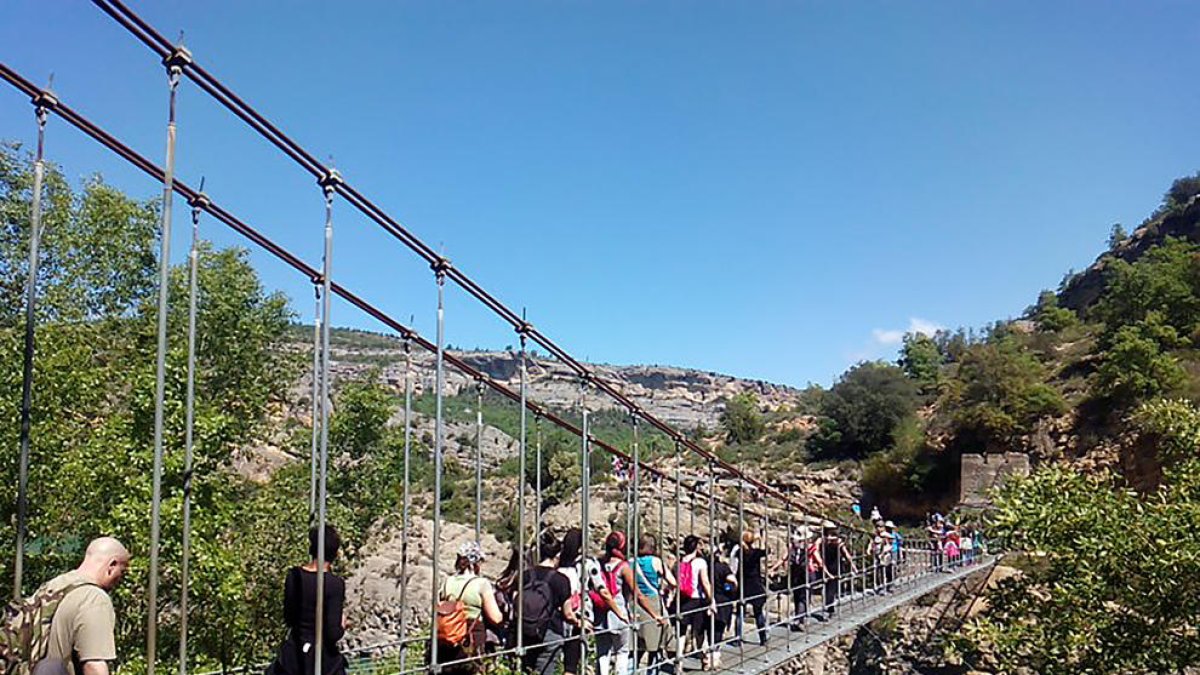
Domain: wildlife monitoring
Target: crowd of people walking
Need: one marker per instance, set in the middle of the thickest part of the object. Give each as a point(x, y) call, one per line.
point(629, 607)
point(645, 610)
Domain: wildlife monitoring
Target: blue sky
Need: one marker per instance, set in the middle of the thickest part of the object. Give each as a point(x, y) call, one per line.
point(768, 189)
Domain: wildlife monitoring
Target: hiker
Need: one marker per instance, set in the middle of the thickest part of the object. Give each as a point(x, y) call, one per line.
point(81, 639)
point(654, 580)
point(695, 592)
point(937, 533)
point(545, 605)
point(569, 566)
point(725, 592)
point(837, 561)
point(968, 546)
point(897, 549)
point(504, 589)
point(881, 550)
point(978, 542)
point(467, 605)
point(297, 654)
point(754, 587)
point(798, 575)
point(613, 638)
point(952, 546)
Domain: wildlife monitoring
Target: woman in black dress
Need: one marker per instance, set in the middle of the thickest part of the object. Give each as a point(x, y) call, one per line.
point(297, 655)
point(726, 591)
point(754, 587)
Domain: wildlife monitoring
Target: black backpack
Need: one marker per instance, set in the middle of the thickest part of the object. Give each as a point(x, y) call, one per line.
point(537, 606)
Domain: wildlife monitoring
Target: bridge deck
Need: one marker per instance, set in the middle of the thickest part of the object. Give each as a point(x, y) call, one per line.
point(852, 612)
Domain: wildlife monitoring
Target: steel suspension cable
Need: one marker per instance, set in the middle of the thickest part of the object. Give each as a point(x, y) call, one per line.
point(185, 553)
point(174, 64)
point(315, 445)
point(155, 41)
point(438, 440)
point(327, 183)
point(479, 460)
point(585, 545)
point(41, 101)
point(405, 523)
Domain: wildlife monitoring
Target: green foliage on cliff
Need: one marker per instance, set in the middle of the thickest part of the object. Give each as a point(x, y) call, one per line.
point(741, 420)
point(1112, 585)
point(861, 412)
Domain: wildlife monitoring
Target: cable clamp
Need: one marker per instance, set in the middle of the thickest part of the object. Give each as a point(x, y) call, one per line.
point(440, 266)
point(330, 179)
point(524, 328)
point(44, 100)
point(200, 202)
point(180, 58)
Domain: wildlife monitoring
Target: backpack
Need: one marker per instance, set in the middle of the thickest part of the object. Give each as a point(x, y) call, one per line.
point(537, 606)
point(453, 626)
point(814, 564)
point(610, 580)
point(687, 582)
point(25, 628)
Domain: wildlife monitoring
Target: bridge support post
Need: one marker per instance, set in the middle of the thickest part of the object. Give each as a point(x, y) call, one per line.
point(439, 268)
point(43, 101)
point(185, 554)
point(174, 64)
point(328, 183)
point(405, 507)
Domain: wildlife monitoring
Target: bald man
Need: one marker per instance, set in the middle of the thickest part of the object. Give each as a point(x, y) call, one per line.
point(82, 639)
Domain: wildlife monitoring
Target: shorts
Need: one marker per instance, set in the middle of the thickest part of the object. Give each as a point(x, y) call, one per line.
point(572, 651)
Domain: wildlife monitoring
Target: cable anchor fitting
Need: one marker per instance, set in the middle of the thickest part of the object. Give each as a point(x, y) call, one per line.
point(440, 266)
point(199, 202)
point(330, 179)
point(179, 58)
point(44, 101)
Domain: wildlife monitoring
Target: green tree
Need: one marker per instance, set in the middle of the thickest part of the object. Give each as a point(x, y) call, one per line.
point(362, 408)
point(97, 252)
point(1049, 317)
point(1165, 280)
point(862, 410)
point(1111, 581)
point(922, 361)
point(741, 419)
point(1134, 365)
point(91, 454)
point(1181, 193)
point(1116, 236)
point(997, 393)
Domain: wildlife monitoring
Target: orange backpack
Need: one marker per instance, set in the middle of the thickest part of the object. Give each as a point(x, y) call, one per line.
point(453, 626)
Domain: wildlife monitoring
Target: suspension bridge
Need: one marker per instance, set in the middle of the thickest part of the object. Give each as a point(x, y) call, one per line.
point(695, 481)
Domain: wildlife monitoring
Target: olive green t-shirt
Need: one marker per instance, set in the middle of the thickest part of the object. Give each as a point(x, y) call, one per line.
point(83, 626)
point(471, 587)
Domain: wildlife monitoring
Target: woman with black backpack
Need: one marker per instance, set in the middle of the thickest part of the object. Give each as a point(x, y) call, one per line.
point(545, 606)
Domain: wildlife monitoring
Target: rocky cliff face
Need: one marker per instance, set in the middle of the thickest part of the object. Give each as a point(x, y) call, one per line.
point(681, 397)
